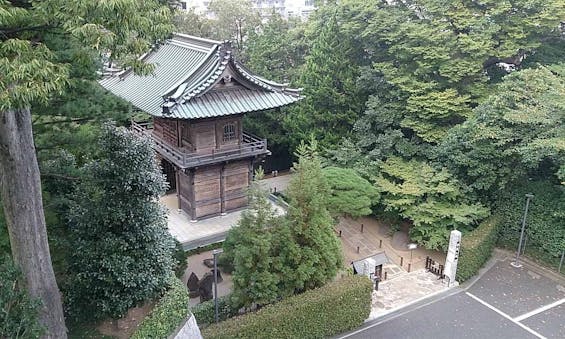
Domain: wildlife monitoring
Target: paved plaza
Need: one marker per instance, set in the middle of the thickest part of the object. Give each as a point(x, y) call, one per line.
point(404, 289)
point(505, 302)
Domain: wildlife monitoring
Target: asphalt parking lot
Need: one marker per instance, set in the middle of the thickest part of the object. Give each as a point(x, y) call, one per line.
point(506, 302)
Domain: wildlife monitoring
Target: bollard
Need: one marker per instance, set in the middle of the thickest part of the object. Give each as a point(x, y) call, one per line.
point(362, 228)
point(386, 274)
point(275, 189)
point(381, 243)
point(340, 233)
point(357, 249)
point(409, 265)
point(401, 261)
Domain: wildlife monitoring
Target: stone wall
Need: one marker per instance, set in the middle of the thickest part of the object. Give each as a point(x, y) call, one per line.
point(189, 330)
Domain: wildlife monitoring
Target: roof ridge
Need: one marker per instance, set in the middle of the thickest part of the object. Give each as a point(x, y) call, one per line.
point(194, 39)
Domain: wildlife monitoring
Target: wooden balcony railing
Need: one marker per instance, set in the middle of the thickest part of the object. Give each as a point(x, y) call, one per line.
point(251, 146)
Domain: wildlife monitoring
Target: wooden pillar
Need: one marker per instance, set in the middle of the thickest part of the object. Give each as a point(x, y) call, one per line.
point(179, 136)
point(177, 183)
point(250, 180)
point(223, 189)
point(192, 195)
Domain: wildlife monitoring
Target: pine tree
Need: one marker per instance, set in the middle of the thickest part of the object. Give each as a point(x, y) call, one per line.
point(332, 101)
point(309, 253)
point(254, 280)
point(122, 249)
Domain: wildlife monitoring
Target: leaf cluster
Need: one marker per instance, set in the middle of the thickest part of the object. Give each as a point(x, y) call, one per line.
point(122, 249)
point(19, 314)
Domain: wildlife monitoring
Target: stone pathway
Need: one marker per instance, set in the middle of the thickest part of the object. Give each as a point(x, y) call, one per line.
point(404, 289)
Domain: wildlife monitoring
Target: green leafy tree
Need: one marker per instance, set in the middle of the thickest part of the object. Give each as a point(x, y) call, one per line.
point(277, 48)
point(427, 197)
point(192, 23)
point(332, 101)
point(276, 52)
point(233, 20)
point(518, 130)
point(119, 30)
point(309, 253)
point(254, 279)
point(350, 194)
point(19, 316)
point(123, 253)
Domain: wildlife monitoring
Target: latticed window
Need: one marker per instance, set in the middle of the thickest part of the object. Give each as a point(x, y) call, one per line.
point(229, 132)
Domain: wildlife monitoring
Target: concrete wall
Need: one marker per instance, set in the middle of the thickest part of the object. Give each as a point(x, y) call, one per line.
point(189, 330)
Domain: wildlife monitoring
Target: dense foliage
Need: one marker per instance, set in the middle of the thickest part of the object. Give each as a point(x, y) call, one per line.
point(273, 257)
point(350, 194)
point(167, 314)
point(430, 198)
point(476, 248)
point(254, 277)
point(545, 223)
point(18, 312)
point(517, 130)
point(44, 46)
point(205, 312)
point(329, 310)
point(122, 251)
point(309, 253)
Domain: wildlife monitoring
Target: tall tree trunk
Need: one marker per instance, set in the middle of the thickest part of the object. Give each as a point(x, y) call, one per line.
point(23, 207)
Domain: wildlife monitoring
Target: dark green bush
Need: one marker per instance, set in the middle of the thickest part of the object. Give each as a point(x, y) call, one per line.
point(331, 309)
point(476, 248)
point(18, 313)
point(167, 315)
point(545, 224)
point(181, 257)
point(204, 312)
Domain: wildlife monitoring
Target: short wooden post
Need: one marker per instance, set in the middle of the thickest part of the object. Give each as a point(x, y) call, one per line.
point(409, 265)
point(362, 228)
point(357, 249)
point(401, 261)
point(340, 233)
point(381, 243)
point(386, 273)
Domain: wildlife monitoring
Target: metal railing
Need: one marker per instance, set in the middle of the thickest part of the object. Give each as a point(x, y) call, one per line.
point(251, 146)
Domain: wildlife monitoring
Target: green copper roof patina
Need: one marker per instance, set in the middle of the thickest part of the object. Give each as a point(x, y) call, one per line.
point(197, 78)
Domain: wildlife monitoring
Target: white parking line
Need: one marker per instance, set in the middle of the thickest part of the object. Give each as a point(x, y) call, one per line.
point(539, 310)
point(506, 316)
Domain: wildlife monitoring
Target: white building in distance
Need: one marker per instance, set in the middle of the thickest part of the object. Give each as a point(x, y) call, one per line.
point(286, 8)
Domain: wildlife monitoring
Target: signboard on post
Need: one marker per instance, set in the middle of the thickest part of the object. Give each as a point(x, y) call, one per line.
point(452, 256)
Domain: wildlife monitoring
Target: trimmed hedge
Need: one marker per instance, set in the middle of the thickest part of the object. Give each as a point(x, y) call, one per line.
point(167, 315)
point(204, 312)
point(476, 248)
point(337, 307)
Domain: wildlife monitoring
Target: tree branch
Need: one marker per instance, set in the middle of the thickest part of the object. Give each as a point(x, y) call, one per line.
point(61, 121)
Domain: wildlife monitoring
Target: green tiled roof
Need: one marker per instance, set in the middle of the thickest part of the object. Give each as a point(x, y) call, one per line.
point(197, 78)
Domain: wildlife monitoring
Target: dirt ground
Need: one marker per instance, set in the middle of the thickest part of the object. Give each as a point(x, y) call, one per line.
point(195, 265)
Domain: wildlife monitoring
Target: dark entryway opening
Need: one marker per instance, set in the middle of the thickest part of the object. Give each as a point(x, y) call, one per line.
point(169, 171)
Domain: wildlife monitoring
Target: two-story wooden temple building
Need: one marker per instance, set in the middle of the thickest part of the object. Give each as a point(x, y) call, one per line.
point(197, 95)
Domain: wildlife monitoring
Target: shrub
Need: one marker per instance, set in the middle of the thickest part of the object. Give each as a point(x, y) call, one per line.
point(476, 248)
point(331, 309)
point(122, 252)
point(545, 225)
point(181, 257)
point(204, 312)
point(18, 312)
point(167, 315)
